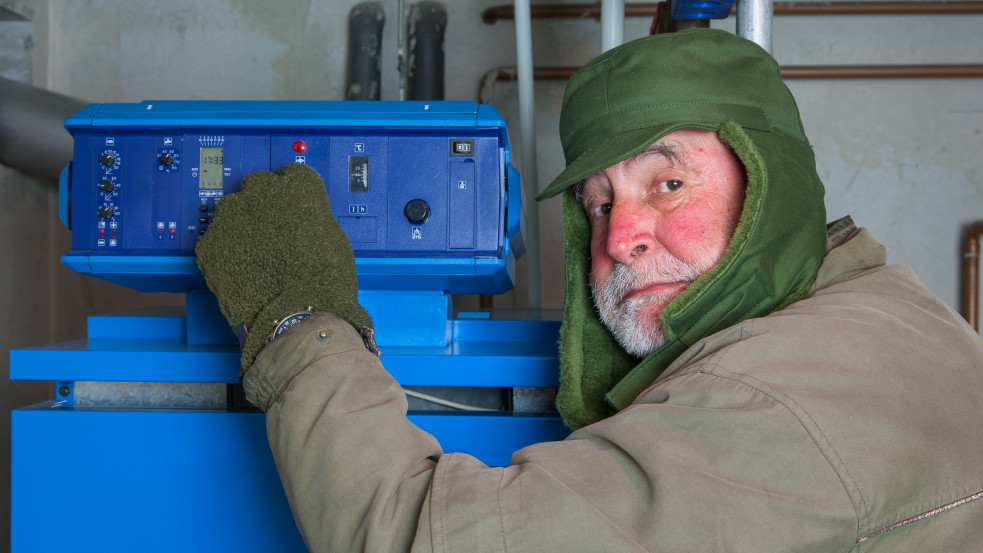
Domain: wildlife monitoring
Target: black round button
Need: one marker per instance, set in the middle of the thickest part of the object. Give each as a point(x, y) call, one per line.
point(203, 208)
point(106, 185)
point(107, 159)
point(166, 159)
point(105, 212)
point(203, 220)
point(417, 211)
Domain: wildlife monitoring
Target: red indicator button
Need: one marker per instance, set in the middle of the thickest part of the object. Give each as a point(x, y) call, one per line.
point(173, 231)
point(300, 146)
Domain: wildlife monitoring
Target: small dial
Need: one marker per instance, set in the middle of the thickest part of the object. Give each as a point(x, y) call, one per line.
point(417, 211)
point(107, 185)
point(106, 212)
point(110, 160)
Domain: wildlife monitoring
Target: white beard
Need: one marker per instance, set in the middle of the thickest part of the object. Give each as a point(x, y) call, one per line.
point(638, 334)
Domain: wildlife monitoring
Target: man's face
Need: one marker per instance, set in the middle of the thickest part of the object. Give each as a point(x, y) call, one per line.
point(659, 220)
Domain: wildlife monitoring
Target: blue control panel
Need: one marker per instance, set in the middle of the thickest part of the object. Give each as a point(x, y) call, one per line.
point(424, 190)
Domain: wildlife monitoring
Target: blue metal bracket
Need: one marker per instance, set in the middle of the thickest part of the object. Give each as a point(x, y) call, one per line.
point(701, 9)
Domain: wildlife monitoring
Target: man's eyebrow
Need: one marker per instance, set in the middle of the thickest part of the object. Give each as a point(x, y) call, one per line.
point(666, 150)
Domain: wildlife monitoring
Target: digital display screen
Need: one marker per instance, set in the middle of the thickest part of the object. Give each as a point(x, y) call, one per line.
point(210, 168)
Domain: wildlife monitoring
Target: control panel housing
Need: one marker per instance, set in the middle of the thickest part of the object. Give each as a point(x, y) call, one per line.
point(424, 191)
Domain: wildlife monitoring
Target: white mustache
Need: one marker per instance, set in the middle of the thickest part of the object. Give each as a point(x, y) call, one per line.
point(626, 278)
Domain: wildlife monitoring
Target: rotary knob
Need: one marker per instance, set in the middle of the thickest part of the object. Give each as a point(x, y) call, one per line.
point(417, 211)
point(105, 212)
point(166, 159)
point(106, 186)
point(107, 159)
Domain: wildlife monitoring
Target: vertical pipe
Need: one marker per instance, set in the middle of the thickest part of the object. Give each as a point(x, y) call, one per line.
point(971, 281)
point(612, 24)
point(754, 21)
point(527, 119)
point(425, 67)
point(365, 22)
point(400, 50)
point(971, 274)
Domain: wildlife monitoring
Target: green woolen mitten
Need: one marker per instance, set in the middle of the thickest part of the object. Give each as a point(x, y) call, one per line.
point(273, 249)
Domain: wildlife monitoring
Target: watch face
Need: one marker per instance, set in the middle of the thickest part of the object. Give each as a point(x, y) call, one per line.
point(290, 322)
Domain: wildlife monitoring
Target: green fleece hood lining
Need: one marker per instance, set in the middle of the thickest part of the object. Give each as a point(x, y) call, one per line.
point(754, 189)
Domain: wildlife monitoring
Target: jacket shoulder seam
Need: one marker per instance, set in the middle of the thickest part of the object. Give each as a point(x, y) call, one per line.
point(501, 515)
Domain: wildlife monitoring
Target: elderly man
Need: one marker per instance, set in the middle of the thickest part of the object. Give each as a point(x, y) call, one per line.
point(748, 380)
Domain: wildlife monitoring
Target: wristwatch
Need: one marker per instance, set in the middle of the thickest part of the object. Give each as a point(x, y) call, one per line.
point(288, 322)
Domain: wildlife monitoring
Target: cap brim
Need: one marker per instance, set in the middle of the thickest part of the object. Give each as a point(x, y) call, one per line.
point(605, 154)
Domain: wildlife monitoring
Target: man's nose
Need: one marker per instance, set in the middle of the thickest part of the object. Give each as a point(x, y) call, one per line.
point(630, 231)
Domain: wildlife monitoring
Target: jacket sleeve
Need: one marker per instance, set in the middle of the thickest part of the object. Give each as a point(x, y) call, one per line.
point(735, 475)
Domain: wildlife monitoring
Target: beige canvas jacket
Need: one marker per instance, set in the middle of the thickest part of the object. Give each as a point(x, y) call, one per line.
point(849, 421)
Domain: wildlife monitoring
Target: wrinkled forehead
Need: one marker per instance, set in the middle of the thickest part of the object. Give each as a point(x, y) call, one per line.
point(676, 149)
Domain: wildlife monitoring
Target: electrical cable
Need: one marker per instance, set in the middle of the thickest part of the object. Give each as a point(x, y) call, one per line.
point(445, 402)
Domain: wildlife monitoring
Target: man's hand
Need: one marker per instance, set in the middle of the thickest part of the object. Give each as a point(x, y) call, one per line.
point(273, 249)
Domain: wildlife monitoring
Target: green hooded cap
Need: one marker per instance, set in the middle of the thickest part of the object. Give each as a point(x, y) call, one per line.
point(615, 107)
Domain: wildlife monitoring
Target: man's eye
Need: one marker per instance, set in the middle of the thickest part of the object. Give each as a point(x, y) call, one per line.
point(600, 210)
point(670, 185)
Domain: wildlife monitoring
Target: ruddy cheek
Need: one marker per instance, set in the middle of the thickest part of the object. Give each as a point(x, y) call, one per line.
point(687, 231)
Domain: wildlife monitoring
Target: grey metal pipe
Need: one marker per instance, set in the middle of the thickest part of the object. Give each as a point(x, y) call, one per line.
point(400, 50)
point(612, 24)
point(754, 21)
point(425, 66)
point(527, 126)
point(33, 138)
point(365, 24)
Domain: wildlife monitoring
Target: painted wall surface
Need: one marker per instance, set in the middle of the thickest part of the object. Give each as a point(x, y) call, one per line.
point(899, 155)
point(902, 156)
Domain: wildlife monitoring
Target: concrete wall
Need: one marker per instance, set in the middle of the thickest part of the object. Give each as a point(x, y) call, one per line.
point(901, 156)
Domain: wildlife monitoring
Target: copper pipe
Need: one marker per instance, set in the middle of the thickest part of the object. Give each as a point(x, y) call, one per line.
point(491, 15)
point(803, 72)
point(878, 8)
point(971, 274)
point(882, 71)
